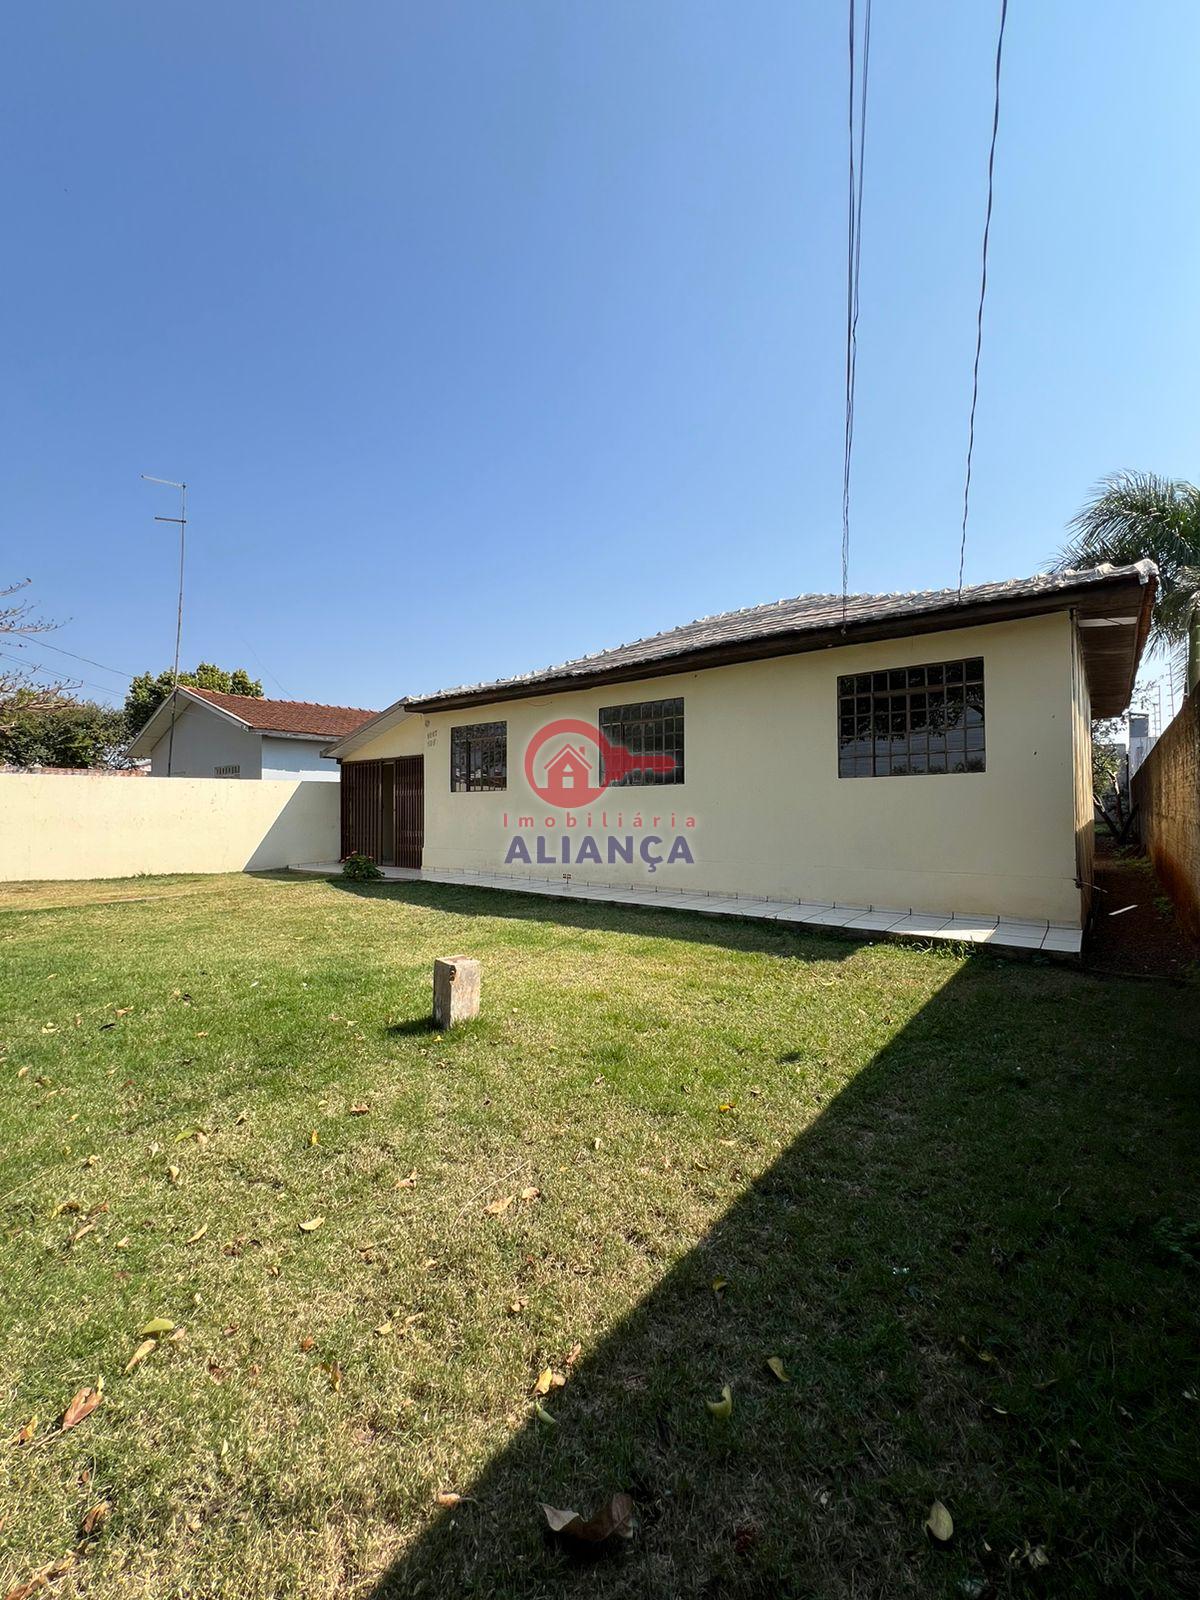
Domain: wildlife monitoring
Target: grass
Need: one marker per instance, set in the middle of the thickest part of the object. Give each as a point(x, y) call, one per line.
point(955, 1195)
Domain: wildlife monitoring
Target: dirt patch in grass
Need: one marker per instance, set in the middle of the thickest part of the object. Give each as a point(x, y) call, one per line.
point(1136, 929)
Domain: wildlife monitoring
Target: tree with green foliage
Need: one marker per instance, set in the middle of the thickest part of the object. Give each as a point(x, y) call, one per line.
point(147, 693)
point(66, 733)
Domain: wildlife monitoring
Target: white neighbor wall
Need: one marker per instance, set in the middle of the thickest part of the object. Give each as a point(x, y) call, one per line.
point(297, 758)
point(58, 826)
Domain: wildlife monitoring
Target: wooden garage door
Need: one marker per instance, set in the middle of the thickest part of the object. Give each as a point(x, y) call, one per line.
point(383, 810)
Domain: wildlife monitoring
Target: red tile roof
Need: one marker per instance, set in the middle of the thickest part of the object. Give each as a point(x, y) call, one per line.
point(287, 716)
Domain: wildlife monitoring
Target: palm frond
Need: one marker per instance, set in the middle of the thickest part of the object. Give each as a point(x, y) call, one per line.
point(1134, 515)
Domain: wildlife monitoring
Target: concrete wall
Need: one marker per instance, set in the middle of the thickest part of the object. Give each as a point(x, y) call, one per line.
point(771, 814)
point(68, 827)
point(204, 741)
point(1166, 791)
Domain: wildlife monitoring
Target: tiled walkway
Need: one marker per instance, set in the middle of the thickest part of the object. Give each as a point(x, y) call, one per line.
point(1051, 939)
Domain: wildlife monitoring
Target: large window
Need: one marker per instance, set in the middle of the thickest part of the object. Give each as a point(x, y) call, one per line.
point(479, 757)
point(911, 720)
point(645, 728)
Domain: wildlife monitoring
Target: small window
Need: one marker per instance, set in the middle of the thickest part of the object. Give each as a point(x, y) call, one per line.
point(479, 757)
point(646, 728)
point(912, 721)
point(228, 772)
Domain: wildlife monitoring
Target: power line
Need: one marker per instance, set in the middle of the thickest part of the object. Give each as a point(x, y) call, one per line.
point(987, 228)
point(45, 645)
point(853, 264)
point(37, 666)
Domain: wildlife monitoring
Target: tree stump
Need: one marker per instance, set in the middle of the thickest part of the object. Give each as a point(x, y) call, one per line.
point(455, 991)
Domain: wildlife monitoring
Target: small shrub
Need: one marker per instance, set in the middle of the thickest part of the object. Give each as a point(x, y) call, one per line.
point(360, 868)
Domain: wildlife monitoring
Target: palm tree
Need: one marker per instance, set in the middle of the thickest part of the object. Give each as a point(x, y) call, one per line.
point(1137, 514)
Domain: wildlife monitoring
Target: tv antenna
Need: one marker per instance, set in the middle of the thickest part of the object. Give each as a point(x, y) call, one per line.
point(181, 522)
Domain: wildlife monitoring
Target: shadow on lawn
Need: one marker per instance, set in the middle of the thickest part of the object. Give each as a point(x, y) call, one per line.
point(958, 1263)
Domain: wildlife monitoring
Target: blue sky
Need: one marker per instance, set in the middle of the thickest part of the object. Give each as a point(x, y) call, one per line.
point(490, 333)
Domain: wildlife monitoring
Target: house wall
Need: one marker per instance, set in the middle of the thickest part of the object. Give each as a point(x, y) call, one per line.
point(1166, 791)
point(1085, 811)
point(773, 817)
point(297, 758)
point(62, 827)
point(204, 740)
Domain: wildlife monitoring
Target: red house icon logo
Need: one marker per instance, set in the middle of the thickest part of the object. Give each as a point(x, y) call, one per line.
point(568, 777)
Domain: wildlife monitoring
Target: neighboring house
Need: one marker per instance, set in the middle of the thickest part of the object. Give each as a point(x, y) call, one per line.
point(914, 751)
point(241, 736)
point(1141, 740)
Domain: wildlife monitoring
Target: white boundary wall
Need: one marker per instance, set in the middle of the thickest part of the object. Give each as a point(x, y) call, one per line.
point(60, 826)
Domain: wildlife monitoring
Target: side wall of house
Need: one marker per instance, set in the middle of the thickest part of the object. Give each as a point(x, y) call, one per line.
point(772, 817)
point(1081, 731)
point(296, 758)
point(205, 741)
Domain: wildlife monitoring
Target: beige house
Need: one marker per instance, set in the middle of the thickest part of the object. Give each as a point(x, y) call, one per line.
point(902, 754)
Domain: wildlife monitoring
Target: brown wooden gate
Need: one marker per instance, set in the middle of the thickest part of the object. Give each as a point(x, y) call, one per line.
point(383, 810)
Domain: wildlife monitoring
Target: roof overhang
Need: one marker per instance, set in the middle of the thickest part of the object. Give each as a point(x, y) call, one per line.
point(390, 717)
point(1113, 612)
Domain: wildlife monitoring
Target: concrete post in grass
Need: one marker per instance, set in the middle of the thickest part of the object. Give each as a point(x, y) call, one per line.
point(455, 991)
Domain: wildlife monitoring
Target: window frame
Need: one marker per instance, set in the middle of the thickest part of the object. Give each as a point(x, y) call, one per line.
point(667, 741)
point(931, 717)
point(483, 739)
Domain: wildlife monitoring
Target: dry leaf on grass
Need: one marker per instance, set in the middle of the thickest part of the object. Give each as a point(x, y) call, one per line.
point(314, 1139)
point(92, 1519)
point(449, 1498)
point(82, 1406)
point(548, 1379)
point(157, 1325)
point(724, 1406)
point(775, 1365)
point(196, 1237)
point(613, 1519)
point(140, 1354)
point(496, 1208)
point(41, 1578)
point(311, 1225)
point(408, 1183)
point(573, 1355)
point(358, 1111)
point(25, 1433)
point(531, 1193)
point(939, 1522)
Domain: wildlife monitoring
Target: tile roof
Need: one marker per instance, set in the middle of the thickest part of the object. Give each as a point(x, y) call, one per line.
point(287, 716)
point(803, 615)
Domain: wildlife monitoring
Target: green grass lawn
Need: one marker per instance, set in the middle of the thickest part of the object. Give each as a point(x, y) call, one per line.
point(955, 1195)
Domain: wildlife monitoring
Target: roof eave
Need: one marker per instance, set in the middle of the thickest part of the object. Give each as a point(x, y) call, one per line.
point(144, 742)
point(379, 723)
